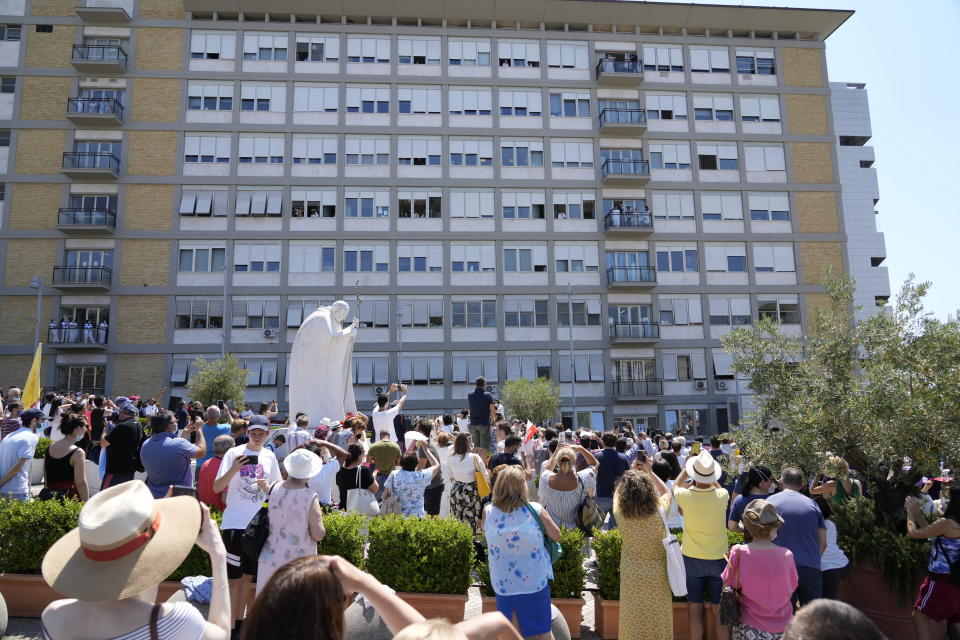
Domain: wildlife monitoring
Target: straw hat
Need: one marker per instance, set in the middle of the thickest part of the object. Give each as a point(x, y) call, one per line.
point(302, 464)
point(126, 542)
point(703, 468)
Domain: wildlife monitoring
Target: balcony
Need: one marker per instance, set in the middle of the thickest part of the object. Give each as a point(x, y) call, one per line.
point(619, 73)
point(625, 172)
point(84, 221)
point(637, 277)
point(624, 222)
point(624, 121)
point(637, 389)
point(95, 112)
point(103, 15)
point(99, 58)
point(90, 164)
point(82, 277)
point(78, 337)
point(94, 391)
point(630, 332)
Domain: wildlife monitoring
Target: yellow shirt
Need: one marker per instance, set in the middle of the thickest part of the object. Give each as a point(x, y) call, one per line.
point(704, 522)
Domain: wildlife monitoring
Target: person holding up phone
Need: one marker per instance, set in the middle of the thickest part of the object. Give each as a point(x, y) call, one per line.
point(247, 473)
point(166, 457)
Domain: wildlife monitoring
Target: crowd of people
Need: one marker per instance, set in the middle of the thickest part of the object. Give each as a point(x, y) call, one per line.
point(514, 483)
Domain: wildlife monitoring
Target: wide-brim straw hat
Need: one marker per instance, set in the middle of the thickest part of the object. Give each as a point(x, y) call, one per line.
point(703, 468)
point(126, 542)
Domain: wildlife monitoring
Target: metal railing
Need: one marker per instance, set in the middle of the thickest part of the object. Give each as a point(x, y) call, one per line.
point(618, 66)
point(628, 220)
point(626, 275)
point(100, 53)
point(106, 106)
point(634, 330)
point(77, 334)
point(87, 217)
point(97, 391)
point(624, 168)
point(610, 115)
point(82, 275)
point(91, 160)
point(637, 388)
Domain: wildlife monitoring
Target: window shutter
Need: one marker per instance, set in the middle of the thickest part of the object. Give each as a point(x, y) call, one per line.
point(755, 158)
point(669, 366)
point(596, 367)
point(680, 315)
point(380, 369)
point(528, 367)
point(565, 368)
point(695, 311)
point(773, 158)
point(722, 363)
point(582, 367)
point(294, 313)
point(459, 364)
point(406, 374)
point(490, 368)
point(382, 312)
point(783, 258)
point(699, 365)
point(716, 258)
point(436, 367)
point(179, 372)
point(187, 201)
point(699, 59)
point(252, 365)
point(239, 314)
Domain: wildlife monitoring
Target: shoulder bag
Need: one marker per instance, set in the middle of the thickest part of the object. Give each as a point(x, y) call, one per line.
point(362, 500)
point(552, 547)
point(676, 571)
point(483, 487)
point(391, 505)
point(589, 516)
point(730, 597)
point(255, 535)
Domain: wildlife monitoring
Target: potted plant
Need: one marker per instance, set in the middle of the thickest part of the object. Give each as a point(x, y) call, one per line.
point(606, 599)
point(566, 588)
point(427, 561)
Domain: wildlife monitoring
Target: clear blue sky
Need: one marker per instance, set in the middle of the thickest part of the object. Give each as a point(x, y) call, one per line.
point(906, 53)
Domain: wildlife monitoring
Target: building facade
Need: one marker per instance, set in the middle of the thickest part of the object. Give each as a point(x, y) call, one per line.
point(594, 192)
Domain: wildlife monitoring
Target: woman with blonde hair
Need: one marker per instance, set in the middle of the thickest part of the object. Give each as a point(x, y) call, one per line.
point(563, 488)
point(839, 487)
point(640, 502)
point(520, 567)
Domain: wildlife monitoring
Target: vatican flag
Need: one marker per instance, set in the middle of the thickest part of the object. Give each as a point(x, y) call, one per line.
point(31, 390)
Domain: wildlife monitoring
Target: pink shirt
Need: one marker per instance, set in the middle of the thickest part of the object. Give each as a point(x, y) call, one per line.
point(767, 578)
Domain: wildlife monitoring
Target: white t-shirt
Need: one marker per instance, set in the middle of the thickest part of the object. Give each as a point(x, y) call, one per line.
point(464, 469)
point(323, 482)
point(463, 424)
point(833, 557)
point(18, 445)
point(149, 410)
point(383, 421)
point(244, 496)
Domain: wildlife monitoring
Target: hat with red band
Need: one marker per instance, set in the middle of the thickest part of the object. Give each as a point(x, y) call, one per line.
point(126, 542)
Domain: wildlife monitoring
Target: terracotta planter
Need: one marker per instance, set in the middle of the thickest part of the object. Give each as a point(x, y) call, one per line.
point(606, 617)
point(866, 590)
point(572, 611)
point(488, 604)
point(437, 605)
point(27, 596)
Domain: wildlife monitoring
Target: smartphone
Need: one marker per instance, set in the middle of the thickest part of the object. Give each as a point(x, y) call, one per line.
point(252, 460)
point(641, 457)
point(184, 491)
point(695, 447)
point(220, 404)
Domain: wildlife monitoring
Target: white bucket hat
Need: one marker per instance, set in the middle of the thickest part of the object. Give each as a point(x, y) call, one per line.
point(302, 464)
point(703, 468)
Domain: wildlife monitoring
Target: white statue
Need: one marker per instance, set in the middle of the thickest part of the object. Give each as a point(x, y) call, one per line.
point(321, 364)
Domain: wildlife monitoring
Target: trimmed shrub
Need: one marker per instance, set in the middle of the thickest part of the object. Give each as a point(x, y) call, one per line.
point(608, 545)
point(421, 555)
point(42, 445)
point(28, 529)
point(343, 537)
point(568, 572)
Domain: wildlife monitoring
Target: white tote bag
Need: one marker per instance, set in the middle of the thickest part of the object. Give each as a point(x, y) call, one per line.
point(676, 572)
point(362, 500)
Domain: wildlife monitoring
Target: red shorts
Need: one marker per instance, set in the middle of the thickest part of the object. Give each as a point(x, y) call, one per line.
point(939, 599)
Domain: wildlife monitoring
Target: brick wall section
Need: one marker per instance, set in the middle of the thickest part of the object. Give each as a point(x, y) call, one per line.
point(18, 316)
point(40, 151)
point(29, 258)
point(53, 8)
point(140, 320)
point(814, 256)
point(137, 374)
point(811, 162)
point(155, 100)
point(44, 98)
point(817, 212)
point(34, 205)
point(50, 49)
point(159, 48)
point(14, 369)
point(816, 301)
point(148, 207)
point(152, 153)
point(807, 114)
point(162, 9)
point(802, 67)
point(144, 262)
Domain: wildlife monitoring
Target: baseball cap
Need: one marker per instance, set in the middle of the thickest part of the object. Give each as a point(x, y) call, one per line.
point(122, 400)
point(28, 416)
point(259, 421)
point(129, 408)
point(762, 513)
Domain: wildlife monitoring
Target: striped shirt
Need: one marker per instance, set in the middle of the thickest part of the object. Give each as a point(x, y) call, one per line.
point(182, 622)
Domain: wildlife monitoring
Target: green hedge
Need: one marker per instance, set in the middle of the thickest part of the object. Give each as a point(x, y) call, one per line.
point(421, 555)
point(42, 445)
point(28, 529)
point(197, 563)
point(344, 537)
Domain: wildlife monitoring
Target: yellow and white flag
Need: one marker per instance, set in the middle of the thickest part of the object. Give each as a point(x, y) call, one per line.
point(31, 390)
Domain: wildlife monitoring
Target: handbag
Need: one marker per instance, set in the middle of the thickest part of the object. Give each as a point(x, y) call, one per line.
point(730, 599)
point(552, 547)
point(589, 515)
point(361, 500)
point(483, 487)
point(255, 535)
point(391, 505)
point(676, 571)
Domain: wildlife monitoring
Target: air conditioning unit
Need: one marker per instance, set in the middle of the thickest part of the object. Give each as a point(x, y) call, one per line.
point(721, 385)
point(700, 385)
point(271, 333)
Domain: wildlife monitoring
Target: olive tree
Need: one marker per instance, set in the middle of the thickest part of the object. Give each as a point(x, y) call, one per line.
point(535, 400)
point(214, 380)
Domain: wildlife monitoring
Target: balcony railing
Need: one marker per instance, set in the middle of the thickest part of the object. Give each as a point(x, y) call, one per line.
point(631, 275)
point(87, 217)
point(91, 160)
point(637, 388)
point(634, 331)
point(95, 335)
point(613, 116)
point(627, 168)
point(619, 66)
point(100, 53)
point(95, 106)
point(629, 220)
point(97, 276)
point(96, 391)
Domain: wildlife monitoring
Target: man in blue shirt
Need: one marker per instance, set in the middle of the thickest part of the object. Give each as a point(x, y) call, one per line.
point(211, 429)
point(166, 457)
point(803, 532)
point(612, 465)
point(482, 411)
